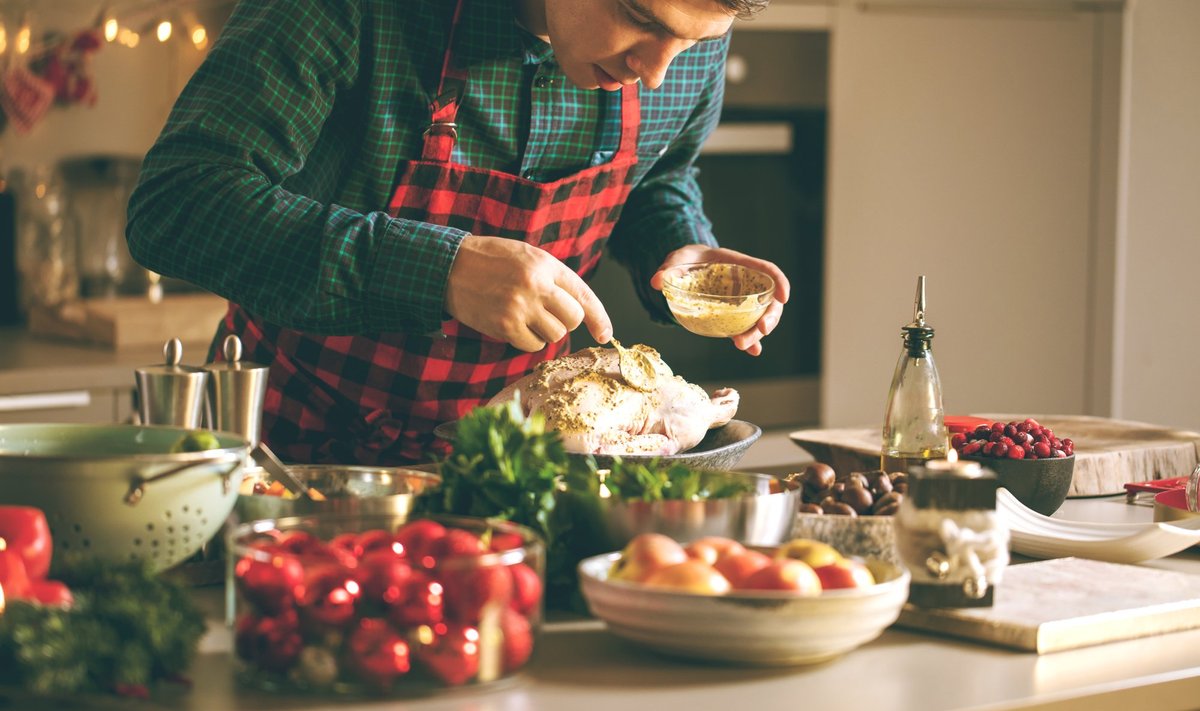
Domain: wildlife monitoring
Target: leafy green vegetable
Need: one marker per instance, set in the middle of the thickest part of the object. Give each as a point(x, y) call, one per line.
point(505, 465)
point(126, 629)
point(654, 481)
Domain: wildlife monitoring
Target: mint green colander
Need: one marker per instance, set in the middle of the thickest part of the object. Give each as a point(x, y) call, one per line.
point(117, 491)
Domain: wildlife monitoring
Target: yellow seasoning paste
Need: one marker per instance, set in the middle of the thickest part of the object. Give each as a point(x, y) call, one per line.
point(718, 300)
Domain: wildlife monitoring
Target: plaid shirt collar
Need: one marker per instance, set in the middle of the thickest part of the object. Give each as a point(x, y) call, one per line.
point(489, 31)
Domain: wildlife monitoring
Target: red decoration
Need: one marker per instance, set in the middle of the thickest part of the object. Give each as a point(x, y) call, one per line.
point(377, 653)
point(452, 655)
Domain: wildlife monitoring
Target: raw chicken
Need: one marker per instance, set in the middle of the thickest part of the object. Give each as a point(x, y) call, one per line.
point(620, 401)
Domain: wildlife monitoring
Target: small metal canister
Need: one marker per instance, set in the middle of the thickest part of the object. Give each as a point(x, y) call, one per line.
point(171, 393)
point(949, 536)
point(236, 390)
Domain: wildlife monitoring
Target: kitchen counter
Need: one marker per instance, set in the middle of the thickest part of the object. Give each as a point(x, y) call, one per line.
point(49, 380)
point(31, 363)
point(579, 666)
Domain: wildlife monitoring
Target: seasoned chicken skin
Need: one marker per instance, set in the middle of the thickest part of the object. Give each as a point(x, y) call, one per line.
point(597, 409)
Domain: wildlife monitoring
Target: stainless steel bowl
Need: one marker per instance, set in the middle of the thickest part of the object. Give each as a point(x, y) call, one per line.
point(721, 449)
point(349, 490)
point(764, 517)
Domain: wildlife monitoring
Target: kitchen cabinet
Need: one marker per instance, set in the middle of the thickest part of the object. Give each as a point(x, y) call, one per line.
point(975, 145)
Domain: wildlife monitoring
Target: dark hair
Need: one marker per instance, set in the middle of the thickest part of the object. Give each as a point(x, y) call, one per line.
point(743, 9)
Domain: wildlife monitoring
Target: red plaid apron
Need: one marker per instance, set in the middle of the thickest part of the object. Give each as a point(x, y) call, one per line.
point(376, 399)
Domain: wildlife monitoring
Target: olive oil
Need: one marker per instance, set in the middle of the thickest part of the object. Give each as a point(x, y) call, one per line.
point(914, 427)
point(901, 461)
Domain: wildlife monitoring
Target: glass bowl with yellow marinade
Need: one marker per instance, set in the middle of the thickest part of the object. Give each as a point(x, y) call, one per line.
point(717, 299)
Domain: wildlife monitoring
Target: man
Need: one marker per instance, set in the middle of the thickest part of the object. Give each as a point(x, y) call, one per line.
point(402, 199)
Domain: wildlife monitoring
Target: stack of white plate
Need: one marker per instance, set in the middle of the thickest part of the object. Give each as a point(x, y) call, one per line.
point(1038, 536)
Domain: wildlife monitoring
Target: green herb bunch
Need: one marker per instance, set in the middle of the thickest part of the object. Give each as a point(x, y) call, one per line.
point(506, 465)
point(126, 629)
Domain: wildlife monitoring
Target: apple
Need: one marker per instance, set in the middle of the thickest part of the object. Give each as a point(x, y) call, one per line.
point(737, 567)
point(815, 553)
point(710, 549)
point(786, 574)
point(646, 553)
point(694, 576)
point(846, 573)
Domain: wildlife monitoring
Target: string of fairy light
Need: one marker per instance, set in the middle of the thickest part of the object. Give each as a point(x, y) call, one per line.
point(124, 24)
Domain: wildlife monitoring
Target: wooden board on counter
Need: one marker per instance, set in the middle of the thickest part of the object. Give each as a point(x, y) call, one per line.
point(1108, 453)
point(131, 321)
point(1054, 605)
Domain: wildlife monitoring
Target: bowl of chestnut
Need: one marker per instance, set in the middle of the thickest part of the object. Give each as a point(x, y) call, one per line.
point(852, 511)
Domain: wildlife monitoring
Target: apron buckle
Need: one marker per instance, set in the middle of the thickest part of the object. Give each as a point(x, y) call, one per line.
point(447, 128)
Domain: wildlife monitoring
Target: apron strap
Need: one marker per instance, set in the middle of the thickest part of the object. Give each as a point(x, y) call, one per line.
point(631, 117)
point(443, 131)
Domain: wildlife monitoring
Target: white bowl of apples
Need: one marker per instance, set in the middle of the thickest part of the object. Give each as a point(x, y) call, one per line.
point(717, 600)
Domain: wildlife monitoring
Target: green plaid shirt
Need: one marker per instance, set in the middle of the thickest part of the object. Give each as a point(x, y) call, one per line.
point(270, 182)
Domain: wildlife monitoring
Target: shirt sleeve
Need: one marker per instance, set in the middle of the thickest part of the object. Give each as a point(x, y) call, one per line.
point(211, 207)
point(665, 211)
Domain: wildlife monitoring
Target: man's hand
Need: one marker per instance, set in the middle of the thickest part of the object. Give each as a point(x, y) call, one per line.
point(750, 341)
point(517, 293)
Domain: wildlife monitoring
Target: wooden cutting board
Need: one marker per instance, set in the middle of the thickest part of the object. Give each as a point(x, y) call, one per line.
point(1053, 605)
point(1108, 453)
point(125, 321)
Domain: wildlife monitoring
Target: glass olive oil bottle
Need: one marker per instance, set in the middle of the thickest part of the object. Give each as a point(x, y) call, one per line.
point(914, 427)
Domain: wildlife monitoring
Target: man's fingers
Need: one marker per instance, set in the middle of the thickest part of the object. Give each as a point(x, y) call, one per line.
point(770, 319)
point(594, 316)
point(547, 327)
point(565, 308)
point(527, 340)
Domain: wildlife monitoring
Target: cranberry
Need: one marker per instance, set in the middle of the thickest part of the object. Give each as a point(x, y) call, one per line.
point(1019, 439)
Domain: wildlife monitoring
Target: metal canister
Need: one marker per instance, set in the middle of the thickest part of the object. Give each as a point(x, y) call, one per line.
point(171, 393)
point(236, 390)
point(949, 535)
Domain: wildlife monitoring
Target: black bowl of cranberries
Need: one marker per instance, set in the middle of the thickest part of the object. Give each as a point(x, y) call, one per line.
point(1029, 460)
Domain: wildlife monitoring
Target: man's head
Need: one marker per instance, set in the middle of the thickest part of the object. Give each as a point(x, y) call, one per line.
point(607, 43)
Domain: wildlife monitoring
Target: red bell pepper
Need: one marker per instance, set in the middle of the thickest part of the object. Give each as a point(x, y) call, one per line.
point(13, 577)
point(26, 533)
